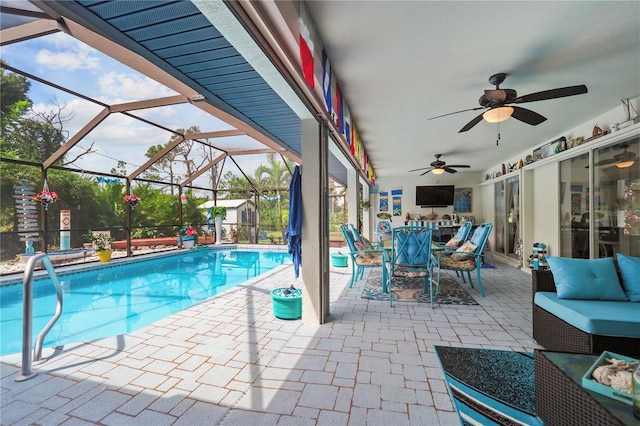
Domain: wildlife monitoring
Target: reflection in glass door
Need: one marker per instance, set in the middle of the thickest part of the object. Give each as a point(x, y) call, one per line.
point(507, 216)
point(604, 220)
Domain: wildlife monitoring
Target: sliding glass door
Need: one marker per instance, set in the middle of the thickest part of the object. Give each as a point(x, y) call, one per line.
point(507, 216)
point(603, 220)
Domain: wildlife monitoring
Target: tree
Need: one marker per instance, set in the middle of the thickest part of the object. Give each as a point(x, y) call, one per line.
point(13, 104)
point(275, 176)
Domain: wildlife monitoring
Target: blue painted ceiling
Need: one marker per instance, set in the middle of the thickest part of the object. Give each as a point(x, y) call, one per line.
point(176, 36)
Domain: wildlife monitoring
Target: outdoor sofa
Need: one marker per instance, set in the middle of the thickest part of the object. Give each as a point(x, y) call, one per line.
point(588, 322)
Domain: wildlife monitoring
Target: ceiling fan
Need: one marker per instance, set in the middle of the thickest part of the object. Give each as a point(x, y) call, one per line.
point(438, 167)
point(497, 103)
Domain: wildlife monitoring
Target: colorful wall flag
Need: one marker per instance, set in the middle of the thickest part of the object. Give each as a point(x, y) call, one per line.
point(306, 47)
point(326, 81)
point(397, 201)
point(384, 201)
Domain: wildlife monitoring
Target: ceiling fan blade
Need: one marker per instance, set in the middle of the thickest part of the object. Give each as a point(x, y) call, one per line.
point(460, 166)
point(552, 94)
point(527, 116)
point(470, 124)
point(422, 174)
point(457, 112)
point(605, 162)
point(450, 170)
point(422, 168)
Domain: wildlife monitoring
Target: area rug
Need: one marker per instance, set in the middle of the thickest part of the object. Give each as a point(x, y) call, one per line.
point(490, 387)
point(410, 290)
point(486, 265)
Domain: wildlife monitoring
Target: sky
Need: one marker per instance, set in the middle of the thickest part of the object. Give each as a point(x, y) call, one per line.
point(69, 63)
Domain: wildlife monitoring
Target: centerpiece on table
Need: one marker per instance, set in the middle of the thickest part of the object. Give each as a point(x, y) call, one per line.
point(188, 236)
point(102, 242)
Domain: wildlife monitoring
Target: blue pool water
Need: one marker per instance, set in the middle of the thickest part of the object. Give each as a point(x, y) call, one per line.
point(122, 298)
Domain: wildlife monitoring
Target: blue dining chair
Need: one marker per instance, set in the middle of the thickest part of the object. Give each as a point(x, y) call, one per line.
point(467, 257)
point(411, 257)
point(362, 257)
point(460, 236)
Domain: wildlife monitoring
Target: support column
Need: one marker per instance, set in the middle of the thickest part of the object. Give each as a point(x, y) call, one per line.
point(315, 222)
point(353, 196)
point(366, 214)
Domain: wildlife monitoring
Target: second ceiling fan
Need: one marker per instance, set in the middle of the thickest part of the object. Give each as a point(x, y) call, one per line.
point(498, 103)
point(438, 167)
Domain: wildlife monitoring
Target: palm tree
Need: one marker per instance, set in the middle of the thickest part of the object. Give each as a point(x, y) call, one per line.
point(276, 176)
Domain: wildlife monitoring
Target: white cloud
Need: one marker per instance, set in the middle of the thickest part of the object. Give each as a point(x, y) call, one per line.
point(131, 87)
point(69, 54)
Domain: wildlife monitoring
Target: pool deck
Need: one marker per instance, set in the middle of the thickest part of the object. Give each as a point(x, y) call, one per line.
point(229, 361)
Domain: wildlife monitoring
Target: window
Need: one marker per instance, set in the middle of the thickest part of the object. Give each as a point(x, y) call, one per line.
point(603, 220)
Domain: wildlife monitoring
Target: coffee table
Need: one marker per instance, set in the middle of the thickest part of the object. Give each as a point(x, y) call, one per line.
point(561, 399)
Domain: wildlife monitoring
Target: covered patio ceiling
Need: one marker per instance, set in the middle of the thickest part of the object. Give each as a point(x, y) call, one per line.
point(178, 45)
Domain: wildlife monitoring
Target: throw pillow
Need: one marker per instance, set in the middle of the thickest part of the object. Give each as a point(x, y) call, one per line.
point(630, 271)
point(586, 279)
point(367, 244)
point(454, 242)
point(465, 251)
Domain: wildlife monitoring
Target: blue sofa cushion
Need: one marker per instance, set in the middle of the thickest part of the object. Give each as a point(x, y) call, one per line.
point(602, 317)
point(586, 279)
point(630, 271)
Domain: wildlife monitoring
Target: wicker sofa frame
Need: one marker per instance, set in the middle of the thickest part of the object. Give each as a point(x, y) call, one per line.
point(557, 335)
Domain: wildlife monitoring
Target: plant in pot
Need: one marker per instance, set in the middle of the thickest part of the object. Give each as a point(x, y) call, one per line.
point(219, 213)
point(188, 236)
point(102, 242)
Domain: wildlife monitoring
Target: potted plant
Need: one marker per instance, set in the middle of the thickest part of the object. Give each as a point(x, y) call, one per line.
point(219, 213)
point(287, 302)
point(132, 200)
point(102, 242)
point(45, 198)
point(188, 236)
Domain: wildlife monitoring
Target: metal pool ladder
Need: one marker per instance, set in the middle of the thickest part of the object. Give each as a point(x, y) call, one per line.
point(27, 314)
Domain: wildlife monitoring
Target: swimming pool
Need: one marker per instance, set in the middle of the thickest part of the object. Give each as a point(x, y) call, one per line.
point(122, 298)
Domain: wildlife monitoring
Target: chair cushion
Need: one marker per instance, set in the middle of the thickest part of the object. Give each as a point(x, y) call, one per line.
point(447, 262)
point(586, 279)
point(370, 258)
point(630, 272)
point(363, 244)
point(602, 317)
point(409, 272)
point(454, 242)
point(465, 251)
point(413, 248)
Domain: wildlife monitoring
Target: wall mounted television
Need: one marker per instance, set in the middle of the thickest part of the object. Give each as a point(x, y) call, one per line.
point(434, 195)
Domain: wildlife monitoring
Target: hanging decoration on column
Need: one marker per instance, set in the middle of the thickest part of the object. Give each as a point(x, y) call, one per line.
point(132, 200)
point(45, 197)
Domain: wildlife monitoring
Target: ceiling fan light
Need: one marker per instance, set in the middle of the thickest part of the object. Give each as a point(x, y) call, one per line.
point(497, 115)
point(437, 171)
point(624, 164)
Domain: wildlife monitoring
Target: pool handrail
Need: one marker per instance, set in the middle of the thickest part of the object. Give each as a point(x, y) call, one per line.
point(27, 313)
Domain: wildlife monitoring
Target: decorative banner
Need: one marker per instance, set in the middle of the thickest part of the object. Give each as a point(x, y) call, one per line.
point(306, 47)
point(326, 81)
point(384, 201)
point(397, 201)
point(335, 104)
